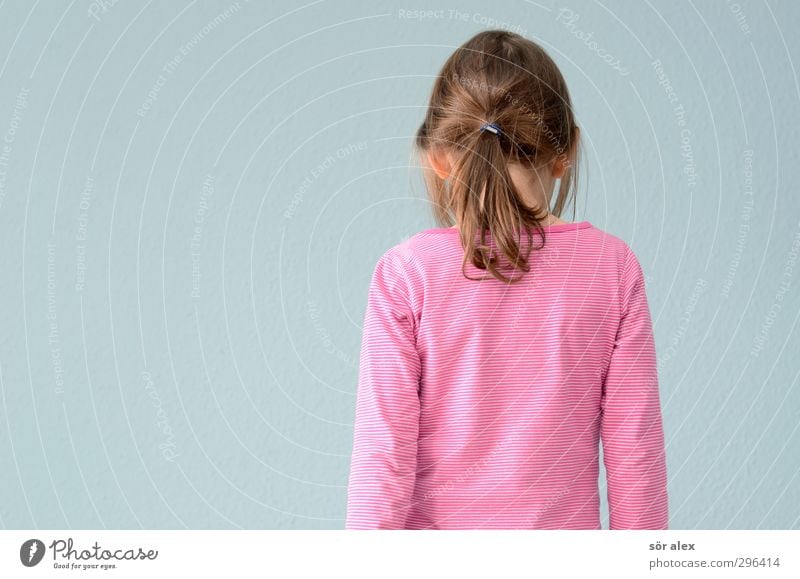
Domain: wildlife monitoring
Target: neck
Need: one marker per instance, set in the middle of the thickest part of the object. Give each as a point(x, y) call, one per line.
point(549, 220)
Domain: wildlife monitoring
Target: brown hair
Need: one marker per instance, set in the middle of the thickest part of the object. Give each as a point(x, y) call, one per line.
point(497, 77)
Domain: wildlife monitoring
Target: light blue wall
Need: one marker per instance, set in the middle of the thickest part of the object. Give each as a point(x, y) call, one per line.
point(193, 197)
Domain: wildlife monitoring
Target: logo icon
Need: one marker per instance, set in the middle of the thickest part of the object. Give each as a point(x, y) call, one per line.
point(31, 552)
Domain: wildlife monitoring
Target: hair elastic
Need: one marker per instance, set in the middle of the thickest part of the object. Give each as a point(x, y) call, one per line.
point(492, 128)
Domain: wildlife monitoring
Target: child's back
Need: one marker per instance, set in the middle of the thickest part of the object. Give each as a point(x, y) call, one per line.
point(484, 404)
point(493, 365)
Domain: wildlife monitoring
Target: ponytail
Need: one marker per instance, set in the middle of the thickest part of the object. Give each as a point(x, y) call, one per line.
point(486, 200)
point(504, 77)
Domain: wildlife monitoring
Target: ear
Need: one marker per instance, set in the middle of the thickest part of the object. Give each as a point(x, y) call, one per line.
point(560, 165)
point(562, 162)
point(440, 163)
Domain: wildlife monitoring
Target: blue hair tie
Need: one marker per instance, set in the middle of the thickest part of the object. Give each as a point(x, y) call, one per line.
point(492, 128)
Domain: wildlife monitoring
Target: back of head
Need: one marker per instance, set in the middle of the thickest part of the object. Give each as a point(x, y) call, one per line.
point(499, 101)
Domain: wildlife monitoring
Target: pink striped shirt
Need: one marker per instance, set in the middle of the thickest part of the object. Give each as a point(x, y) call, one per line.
point(482, 405)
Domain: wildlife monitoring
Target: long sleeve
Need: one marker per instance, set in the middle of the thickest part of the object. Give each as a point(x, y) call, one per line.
point(631, 423)
point(384, 459)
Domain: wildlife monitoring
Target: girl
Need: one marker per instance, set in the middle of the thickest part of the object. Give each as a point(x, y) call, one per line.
point(493, 366)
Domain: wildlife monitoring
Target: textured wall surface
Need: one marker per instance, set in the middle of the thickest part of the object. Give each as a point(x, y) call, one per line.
point(193, 196)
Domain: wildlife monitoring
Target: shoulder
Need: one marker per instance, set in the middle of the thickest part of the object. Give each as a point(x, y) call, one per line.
point(399, 260)
point(621, 258)
point(412, 261)
point(409, 253)
point(617, 250)
point(632, 279)
point(613, 245)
